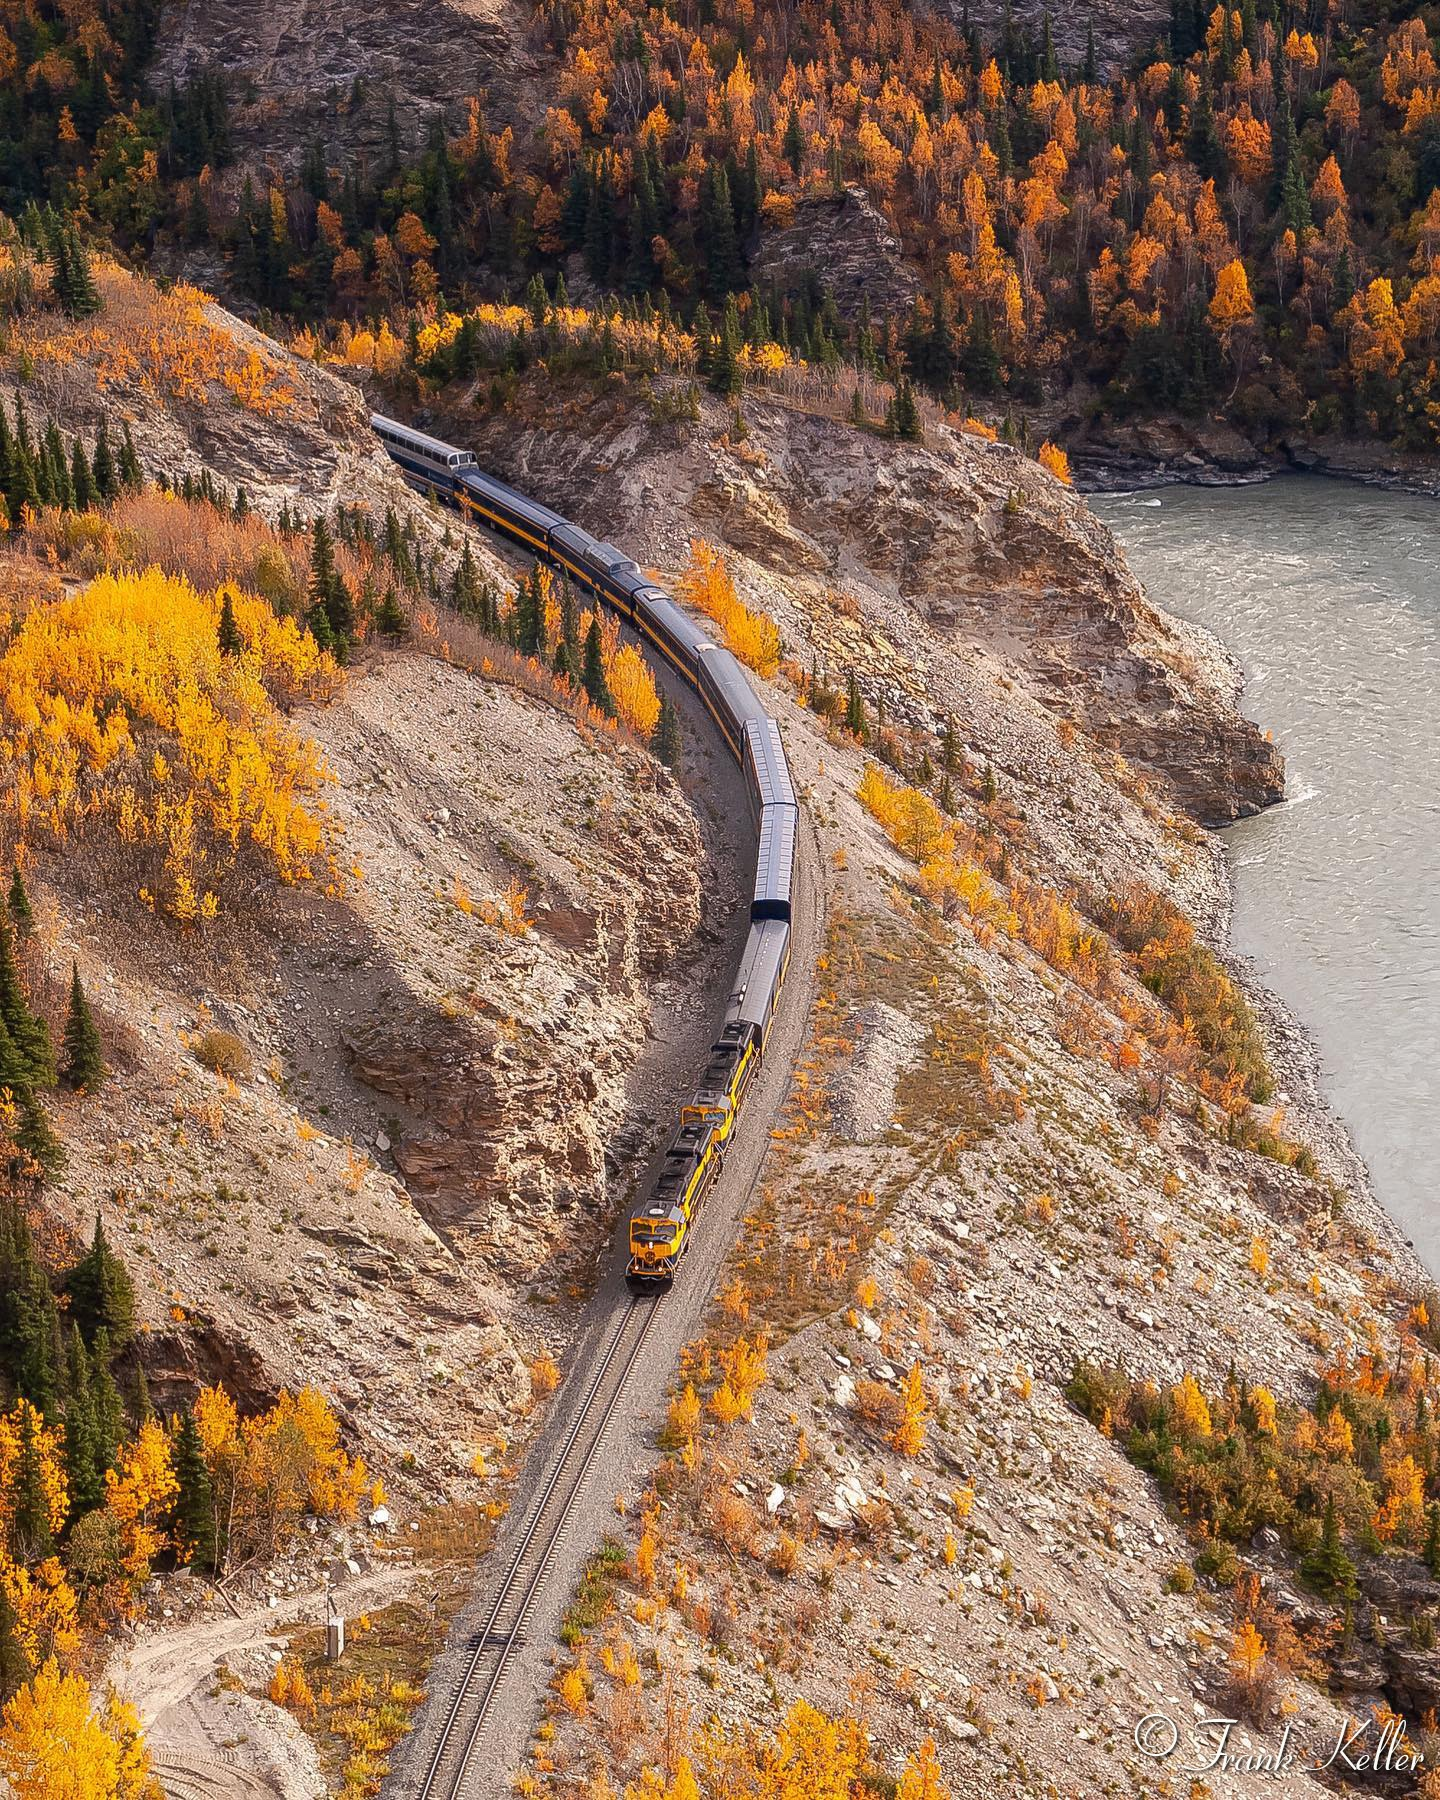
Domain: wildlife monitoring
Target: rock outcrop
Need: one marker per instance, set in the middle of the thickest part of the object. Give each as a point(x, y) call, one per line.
point(357, 78)
point(846, 245)
point(955, 545)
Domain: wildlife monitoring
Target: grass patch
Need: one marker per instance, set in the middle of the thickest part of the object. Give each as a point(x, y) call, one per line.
point(606, 1569)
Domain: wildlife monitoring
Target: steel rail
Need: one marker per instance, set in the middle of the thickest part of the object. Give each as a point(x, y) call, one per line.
point(489, 1639)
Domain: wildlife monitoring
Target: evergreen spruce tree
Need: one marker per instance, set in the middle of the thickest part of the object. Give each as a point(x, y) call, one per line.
point(465, 588)
point(1327, 1568)
point(81, 479)
point(36, 1137)
point(29, 1324)
point(227, 632)
point(1432, 1540)
point(31, 1537)
point(84, 1477)
point(21, 489)
point(322, 562)
point(528, 618)
point(22, 915)
point(665, 740)
point(73, 283)
point(193, 1518)
point(1202, 146)
point(62, 489)
point(107, 480)
point(340, 611)
point(854, 707)
point(793, 144)
point(109, 1409)
point(102, 1297)
point(949, 747)
point(144, 1411)
point(725, 373)
point(907, 413)
point(29, 1034)
point(332, 611)
point(132, 476)
point(84, 1057)
point(979, 360)
point(390, 620)
point(723, 269)
point(592, 672)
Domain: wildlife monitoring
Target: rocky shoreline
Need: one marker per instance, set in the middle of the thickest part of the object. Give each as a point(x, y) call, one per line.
point(1164, 452)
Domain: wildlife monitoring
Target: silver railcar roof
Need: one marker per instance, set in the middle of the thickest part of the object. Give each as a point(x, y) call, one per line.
point(387, 427)
point(767, 760)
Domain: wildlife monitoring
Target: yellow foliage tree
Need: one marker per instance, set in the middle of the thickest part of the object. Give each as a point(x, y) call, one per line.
point(54, 1746)
point(1053, 458)
point(20, 1424)
point(707, 586)
point(1189, 1410)
point(118, 707)
point(137, 1492)
point(1233, 306)
point(811, 1757)
point(633, 689)
point(921, 1778)
point(909, 1435)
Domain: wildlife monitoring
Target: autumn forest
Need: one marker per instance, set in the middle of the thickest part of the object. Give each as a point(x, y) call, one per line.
point(1243, 221)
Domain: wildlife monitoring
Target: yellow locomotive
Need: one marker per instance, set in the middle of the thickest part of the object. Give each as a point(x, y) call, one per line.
point(660, 1229)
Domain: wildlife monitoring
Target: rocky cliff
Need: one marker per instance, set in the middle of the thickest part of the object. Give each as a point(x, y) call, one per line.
point(358, 79)
point(967, 579)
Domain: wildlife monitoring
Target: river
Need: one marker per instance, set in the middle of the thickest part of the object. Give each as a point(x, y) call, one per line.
point(1328, 595)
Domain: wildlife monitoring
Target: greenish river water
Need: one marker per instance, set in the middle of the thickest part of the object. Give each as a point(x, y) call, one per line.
point(1329, 596)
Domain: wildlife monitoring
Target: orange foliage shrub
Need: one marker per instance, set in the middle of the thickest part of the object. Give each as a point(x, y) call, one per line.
point(160, 343)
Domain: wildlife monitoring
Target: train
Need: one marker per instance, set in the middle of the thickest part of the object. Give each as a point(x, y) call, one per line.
point(661, 1226)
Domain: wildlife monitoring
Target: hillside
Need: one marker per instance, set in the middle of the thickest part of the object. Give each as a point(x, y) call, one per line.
point(392, 960)
point(360, 78)
point(898, 1480)
point(1063, 1356)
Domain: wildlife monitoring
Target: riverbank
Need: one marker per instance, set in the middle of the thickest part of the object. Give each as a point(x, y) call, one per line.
point(1323, 597)
point(1150, 453)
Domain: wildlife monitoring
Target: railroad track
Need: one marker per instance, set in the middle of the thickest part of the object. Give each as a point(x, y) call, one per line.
point(491, 1648)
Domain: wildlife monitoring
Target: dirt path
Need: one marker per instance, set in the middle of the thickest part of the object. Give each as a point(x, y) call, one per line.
point(209, 1742)
point(159, 1671)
